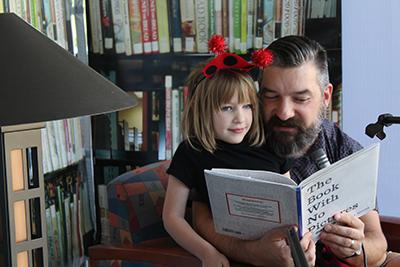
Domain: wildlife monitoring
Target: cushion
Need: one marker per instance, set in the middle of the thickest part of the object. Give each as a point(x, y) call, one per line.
point(135, 201)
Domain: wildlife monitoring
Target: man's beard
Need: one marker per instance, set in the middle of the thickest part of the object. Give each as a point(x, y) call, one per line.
point(288, 145)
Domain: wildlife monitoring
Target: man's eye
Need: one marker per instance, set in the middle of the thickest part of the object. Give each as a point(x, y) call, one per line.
point(302, 100)
point(226, 108)
point(266, 96)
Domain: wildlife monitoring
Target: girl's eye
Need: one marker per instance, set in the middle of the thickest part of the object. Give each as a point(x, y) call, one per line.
point(248, 106)
point(227, 108)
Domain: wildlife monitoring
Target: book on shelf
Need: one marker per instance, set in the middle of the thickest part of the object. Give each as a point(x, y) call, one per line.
point(176, 33)
point(188, 25)
point(117, 11)
point(163, 26)
point(247, 203)
point(145, 19)
point(202, 26)
point(127, 29)
point(136, 26)
point(153, 27)
point(106, 24)
point(168, 117)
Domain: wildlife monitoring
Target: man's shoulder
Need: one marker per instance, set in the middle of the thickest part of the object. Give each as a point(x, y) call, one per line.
point(336, 141)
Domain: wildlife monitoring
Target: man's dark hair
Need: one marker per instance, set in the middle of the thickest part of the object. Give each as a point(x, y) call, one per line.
point(294, 50)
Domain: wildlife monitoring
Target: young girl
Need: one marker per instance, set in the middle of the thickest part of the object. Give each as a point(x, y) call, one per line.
point(222, 129)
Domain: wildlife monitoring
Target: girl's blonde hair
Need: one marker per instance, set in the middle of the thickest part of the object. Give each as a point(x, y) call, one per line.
point(207, 95)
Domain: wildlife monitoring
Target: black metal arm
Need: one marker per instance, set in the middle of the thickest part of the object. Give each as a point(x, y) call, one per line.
point(376, 128)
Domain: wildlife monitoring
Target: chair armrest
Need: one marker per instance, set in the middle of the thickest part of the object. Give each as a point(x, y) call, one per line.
point(391, 229)
point(161, 251)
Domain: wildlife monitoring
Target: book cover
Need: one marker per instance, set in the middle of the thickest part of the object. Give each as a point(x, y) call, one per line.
point(247, 203)
point(258, 23)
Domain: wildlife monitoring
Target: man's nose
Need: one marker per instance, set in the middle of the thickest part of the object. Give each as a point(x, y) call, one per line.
point(285, 110)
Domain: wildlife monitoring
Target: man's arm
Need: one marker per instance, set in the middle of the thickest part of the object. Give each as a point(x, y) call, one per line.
point(270, 250)
point(366, 229)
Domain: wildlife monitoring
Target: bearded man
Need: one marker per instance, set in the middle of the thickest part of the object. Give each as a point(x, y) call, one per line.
point(295, 92)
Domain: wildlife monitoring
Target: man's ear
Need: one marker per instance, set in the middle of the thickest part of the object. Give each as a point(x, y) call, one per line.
point(327, 94)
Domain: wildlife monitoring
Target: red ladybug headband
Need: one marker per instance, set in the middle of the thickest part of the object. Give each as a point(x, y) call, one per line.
point(260, 58)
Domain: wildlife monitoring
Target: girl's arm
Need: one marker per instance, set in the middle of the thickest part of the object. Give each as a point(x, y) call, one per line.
point(176, 225)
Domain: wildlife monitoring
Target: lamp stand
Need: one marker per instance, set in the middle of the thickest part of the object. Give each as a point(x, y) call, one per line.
point(25, 235)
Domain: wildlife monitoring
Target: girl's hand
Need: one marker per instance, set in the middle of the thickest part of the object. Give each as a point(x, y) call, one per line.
point(214, 258)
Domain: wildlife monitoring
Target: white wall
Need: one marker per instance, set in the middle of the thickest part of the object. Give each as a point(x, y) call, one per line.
point(371, 75)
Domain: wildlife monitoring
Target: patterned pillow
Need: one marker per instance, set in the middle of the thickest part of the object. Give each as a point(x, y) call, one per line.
point(135, 201)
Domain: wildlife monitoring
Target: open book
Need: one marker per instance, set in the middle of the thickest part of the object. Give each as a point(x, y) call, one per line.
point(247, 203)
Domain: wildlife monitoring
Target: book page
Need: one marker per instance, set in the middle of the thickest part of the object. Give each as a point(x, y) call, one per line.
point(245, 207)
point(257, 175)
point(348, 185)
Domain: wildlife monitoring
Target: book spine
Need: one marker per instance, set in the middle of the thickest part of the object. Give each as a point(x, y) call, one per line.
point(168, 135)
point(136, 26)
point(286, 17)
point(278, 18)
point(94, 20)
point(106, 24)
point(126, 25)
point(236, 18)
point(211, 18)
point(269, 22)
point(218, 16)
point(118, 26)
point(258, 23)
point(176, 33)
point(68, 26)
point(162, 25)
point(250, 25)
point(225, 20)
point(145, 15)
point(153, 27)
point(243, 26)
point(201, 26)
point(188, 27)
point(299, 211)
point(175, 120)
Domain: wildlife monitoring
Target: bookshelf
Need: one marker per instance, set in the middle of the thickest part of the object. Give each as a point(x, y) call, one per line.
point(115, 55)
point(66, 145)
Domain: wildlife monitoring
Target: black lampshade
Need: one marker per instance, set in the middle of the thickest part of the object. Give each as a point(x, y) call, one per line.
point(41, 81)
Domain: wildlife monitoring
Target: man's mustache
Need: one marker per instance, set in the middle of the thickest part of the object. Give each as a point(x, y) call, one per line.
point(292, 122)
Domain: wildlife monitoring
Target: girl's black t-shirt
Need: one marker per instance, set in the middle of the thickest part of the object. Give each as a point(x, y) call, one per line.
point(188, 164)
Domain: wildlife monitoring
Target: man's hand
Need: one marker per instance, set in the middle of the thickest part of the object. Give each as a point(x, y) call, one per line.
point(270, 250)
point(345, 237)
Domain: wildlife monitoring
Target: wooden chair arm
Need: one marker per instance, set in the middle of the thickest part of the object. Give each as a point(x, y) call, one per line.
point(162, 251)
point(391, 229)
